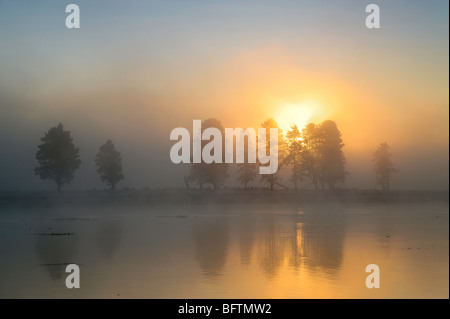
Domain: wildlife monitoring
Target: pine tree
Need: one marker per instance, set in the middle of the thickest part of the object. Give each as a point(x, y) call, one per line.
point(310, 153)
point(109, 163)
point(272, 179)
point(57, 156)
point(293, 156)
point(383, 165)
point(247, 173)
point(210, 173)
point(331, 157)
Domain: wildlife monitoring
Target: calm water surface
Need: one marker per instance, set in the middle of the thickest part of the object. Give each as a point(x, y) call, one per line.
point(237, 251)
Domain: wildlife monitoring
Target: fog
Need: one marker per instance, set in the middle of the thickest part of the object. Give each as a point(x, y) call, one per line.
point(133, 77)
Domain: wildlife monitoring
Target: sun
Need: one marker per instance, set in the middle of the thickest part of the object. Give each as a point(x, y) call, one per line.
point(300, 114)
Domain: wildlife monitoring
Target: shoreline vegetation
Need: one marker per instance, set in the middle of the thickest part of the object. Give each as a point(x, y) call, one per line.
point(174, 196)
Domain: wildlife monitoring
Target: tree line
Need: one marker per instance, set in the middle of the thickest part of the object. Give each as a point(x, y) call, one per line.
point(313, 156)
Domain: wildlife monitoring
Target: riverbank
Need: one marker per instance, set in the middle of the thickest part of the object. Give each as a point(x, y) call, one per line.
point(223, 196)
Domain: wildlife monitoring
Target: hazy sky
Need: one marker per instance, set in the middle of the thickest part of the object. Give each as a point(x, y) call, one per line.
point(137, 69)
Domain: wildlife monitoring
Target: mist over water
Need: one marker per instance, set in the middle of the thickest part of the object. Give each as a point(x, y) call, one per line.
point(363, 167)
point(227, 251)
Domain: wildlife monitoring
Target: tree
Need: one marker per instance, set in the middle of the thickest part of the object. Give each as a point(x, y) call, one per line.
point(272, 179)
point(310, 153)
point(331, 157)
point(109, 163)
point(293, 156)
point(247, 171)
point(383, 167)
point(210, 173)
point(57, 157)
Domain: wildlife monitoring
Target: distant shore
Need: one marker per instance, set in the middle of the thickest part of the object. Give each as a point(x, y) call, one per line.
point(209, 196)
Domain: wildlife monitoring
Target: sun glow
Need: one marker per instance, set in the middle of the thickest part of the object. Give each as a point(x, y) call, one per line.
point(299, 114)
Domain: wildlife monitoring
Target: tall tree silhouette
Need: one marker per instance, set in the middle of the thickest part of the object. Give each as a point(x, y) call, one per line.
point(331, 157)
point(210, 173)
point(247, 171)
point(383, 167)
point(57, 157)
point(109, 163)
point(293, 156)
point(310, 153)
point(272, 179)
